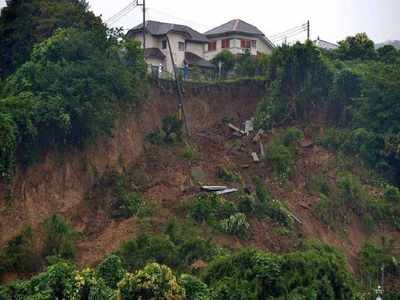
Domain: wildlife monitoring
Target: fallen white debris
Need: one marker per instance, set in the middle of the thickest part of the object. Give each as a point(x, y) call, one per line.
point(214, 188)
point(227, 191)
point(249, 126)
point(255, 157)
point(262, 151)
point(233, 127)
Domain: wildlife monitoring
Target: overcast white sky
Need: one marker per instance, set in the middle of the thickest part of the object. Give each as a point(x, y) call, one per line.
point(332, 20)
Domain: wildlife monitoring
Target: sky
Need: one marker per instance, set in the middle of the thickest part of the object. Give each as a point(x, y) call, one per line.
point(331, 20)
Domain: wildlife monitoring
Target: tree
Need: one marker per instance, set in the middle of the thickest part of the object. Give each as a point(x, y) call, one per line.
point(356, 47)
point(227, 60)
point(388, 54)
point(25, 23)
point(154, 282)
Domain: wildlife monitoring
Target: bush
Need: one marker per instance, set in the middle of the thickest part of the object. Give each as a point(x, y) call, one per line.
point(19, 254)
point(281, 158)
point(261, 192)
point(210, 208)
point(236, 225)
point(291, 136)
point(226, 175)
point(153, 282)
point(59, 239)
point(172, 127)
point(113, 193)
point(392, 194)
point(195, 289)
point(111, 270)
point(146, 249)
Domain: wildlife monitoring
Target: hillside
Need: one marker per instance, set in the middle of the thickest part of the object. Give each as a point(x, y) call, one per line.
point(280, 180)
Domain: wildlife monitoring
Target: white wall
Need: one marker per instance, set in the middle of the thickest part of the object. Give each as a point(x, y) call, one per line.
point(235, 46)
point(196, 48)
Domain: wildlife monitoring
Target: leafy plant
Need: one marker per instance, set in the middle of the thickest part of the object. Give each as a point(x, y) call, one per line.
point(236, 225)
point(60, 238)
point(281, 158)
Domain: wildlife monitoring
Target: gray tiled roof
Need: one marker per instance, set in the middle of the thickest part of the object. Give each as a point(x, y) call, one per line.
point(235, 26)
point(194, 60)
point(159, 28)
point(154, 53)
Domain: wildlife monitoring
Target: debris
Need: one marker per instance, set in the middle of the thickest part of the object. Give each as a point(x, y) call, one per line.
point(307, 144)
point(233, 127)
point(245, 166)
point(249, 126)
point(262, 152)
point(304, 206)
point(226, 191)
point(214, 188)
point(258, 135)
point(255, 157)
point(296, 218)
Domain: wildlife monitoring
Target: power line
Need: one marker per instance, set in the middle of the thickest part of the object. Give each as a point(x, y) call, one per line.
point(286, 32)
point(292, 34)
point(177, 18)
point(122, 13)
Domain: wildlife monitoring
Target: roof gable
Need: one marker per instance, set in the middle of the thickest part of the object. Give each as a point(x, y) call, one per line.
point(235, 26)
point(160, 28)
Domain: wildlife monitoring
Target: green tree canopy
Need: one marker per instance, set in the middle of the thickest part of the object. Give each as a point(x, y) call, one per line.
point(25, 23)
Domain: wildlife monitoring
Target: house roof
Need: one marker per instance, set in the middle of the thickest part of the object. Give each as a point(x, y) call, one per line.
point(235, 26)
point(160, 28)
point(325, 44)
point(193, 59)
point(154, 53)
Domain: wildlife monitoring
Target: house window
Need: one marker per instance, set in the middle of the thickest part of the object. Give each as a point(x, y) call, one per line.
point(253, 44)
point(245, 44)
point(212, 46)
point(181, 46)
point(164, 44)
point(226, 43)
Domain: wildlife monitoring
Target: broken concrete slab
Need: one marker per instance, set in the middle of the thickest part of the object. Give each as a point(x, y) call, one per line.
point(236, 129)
point(249, 126)
point(214, 188)
point(226, 191)
point(255, 157)
point(262, 151)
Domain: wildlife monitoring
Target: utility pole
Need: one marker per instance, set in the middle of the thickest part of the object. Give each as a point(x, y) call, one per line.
point(308, 29)
point(144, 22)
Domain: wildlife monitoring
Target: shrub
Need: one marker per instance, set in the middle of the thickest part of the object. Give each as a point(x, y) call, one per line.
point(19, 254)
point(318, 183)
point(113, 193)
point(153, 282)
point(111, 270)
point(190, 154)
point(211, 208)
point(392, 194)
point(236, 225)
point(291, 136)
point(281, 158)
point(261, 192)
point(145, 249)
point(172, 127)
point(60, 238)
point(195, 289)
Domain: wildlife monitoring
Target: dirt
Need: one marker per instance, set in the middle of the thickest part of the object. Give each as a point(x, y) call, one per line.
point(60, 183)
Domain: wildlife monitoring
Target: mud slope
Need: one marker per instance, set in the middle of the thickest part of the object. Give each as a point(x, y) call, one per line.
point(59, 183)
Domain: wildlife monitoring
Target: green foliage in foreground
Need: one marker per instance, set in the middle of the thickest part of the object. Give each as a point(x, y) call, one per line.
point(316, 272)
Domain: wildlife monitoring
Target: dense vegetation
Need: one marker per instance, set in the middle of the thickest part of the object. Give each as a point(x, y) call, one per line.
point(355, 87)
point(143, 269)
point(67, 90)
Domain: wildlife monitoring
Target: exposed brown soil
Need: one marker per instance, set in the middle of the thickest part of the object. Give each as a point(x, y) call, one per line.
point(60, 184)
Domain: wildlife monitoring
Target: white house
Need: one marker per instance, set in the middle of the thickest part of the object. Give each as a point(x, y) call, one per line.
point(187, 45)
point(325, 45)
point(237, 36)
